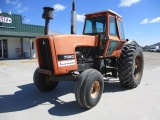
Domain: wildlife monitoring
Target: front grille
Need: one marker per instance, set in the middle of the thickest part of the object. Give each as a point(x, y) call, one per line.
point(45, 54)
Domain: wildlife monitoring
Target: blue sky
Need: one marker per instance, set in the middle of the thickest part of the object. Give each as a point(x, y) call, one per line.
point(141, 18)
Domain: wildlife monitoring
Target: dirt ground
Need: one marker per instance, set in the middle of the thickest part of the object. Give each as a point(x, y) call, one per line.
point(151, 60)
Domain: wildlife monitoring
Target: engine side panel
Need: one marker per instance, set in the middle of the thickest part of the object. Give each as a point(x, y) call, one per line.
point(65, 46)
point(63, 50)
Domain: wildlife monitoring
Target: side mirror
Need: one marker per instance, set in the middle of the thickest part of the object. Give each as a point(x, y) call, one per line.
point(127, 40)
point(102, 43)
point(103, 40)
point(106, 37)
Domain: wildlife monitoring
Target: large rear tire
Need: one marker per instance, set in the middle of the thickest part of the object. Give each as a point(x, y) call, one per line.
point(130, 66)
point(44, 82)
point(89, 88)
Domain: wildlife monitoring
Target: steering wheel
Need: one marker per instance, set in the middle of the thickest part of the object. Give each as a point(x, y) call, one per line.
point(99, 30)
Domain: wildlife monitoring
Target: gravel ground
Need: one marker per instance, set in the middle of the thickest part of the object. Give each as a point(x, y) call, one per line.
point(151, 60)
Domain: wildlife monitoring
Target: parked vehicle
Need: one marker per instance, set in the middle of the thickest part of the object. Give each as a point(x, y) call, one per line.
point(154, 48)
point(158, 50)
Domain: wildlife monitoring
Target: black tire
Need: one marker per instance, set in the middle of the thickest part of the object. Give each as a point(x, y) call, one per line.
point(130, 66)
point(89, 88)
point(43, 81)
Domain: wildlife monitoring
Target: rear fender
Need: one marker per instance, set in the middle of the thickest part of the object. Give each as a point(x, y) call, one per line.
point(132, 42)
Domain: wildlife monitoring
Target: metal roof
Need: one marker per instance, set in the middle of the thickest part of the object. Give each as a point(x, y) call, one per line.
point(105, 11)
point(53, 32)
point(15, 27)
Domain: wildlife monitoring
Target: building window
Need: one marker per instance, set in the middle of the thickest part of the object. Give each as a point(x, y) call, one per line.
point(3, 49)
point(32, 45)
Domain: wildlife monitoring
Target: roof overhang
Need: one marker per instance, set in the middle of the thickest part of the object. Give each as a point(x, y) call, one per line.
point(19, 34)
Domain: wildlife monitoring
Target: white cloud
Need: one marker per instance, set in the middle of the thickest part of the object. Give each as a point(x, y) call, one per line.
point(7, 1)
point(20, 8)
point(80, 18)
point(155, 20)
point(59, 7)
point(138, 32)
point(12, 2)
point(19, 5)
point(145, 21)
point(28, 20)
point(128, 3)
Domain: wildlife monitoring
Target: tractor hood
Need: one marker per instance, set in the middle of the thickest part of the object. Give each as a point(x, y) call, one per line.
point(66, 44)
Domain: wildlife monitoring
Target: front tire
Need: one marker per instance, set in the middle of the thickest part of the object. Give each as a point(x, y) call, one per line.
point(130, 66)
point(44, 82)
point(89, 88)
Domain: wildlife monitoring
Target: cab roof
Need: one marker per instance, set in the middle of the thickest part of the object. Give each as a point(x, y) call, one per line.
point(106, 11)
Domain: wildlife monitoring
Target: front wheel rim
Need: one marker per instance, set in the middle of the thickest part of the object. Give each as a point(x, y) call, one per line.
point(94, 91)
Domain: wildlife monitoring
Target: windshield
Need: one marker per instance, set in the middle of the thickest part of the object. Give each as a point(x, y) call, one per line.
point(95, 25)
point(153, 47)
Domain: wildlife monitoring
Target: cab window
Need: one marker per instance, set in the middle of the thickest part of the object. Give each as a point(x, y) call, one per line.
point(112, 26)
point(95, 25)
point(120, 25)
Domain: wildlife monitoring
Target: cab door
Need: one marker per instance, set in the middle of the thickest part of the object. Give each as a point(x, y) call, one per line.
point(113, 36)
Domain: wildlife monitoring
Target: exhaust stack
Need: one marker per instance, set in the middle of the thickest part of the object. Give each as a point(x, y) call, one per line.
point(47, 15)
point(73, 19)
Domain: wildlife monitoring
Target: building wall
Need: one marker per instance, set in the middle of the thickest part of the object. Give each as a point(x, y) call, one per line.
point(13, 43)
point(26, 48)
point(14, 47)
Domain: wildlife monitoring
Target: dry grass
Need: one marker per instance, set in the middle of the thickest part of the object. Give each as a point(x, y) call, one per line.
point(29, 61)
point(5, 64)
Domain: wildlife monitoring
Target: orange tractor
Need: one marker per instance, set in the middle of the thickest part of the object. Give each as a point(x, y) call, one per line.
point(100, 52)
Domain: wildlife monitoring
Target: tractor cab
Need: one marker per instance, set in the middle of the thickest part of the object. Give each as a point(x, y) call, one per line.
point(109, 28)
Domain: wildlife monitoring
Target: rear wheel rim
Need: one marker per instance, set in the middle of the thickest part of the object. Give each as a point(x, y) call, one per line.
point(94, 91)
point(137, 67)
